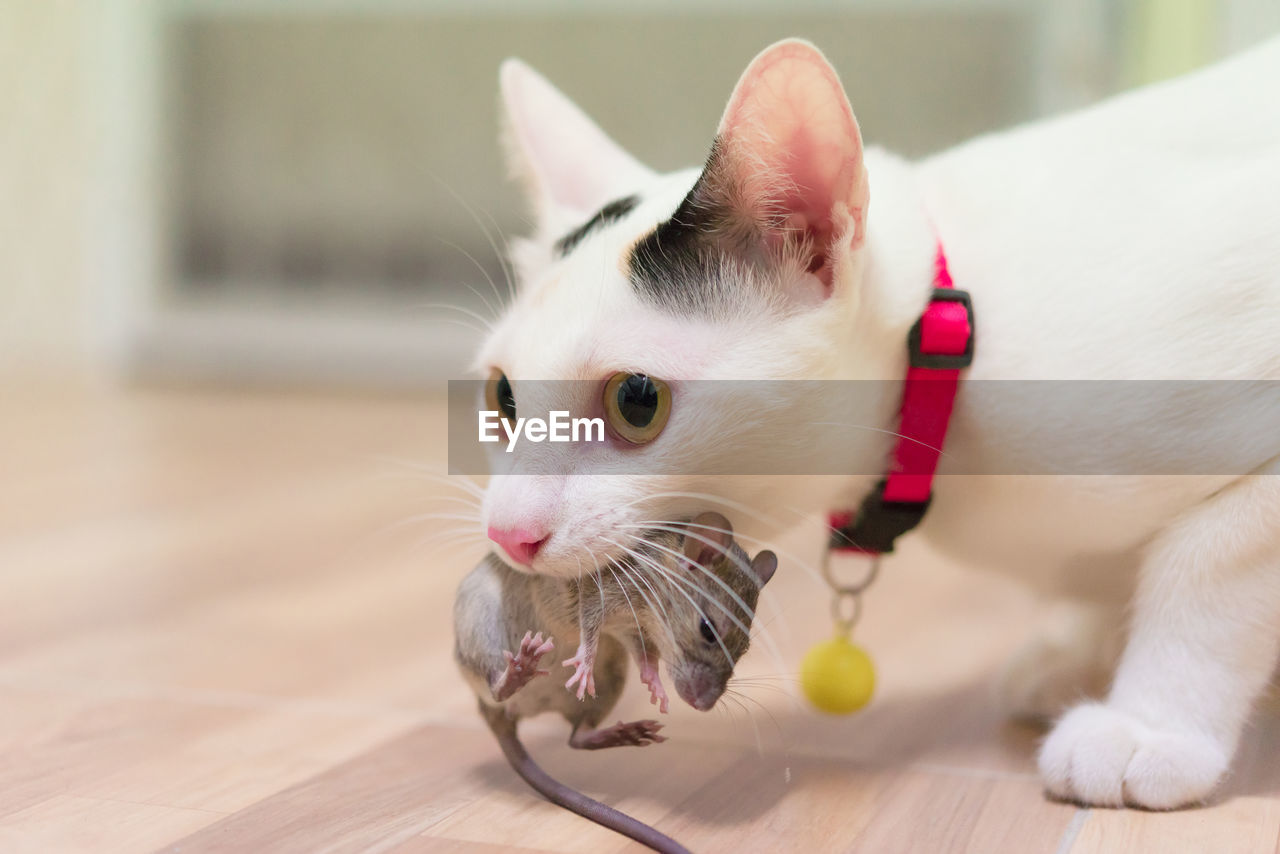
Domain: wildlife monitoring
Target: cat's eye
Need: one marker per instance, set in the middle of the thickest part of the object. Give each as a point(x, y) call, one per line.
point(498, 396)
point(636, 406)
point(708, 633)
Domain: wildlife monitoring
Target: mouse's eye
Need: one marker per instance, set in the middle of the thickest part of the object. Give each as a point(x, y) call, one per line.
point(708, 633)
point(498, 396)
point(636, 406)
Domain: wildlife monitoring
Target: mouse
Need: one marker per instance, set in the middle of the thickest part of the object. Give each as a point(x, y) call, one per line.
point(684, 595)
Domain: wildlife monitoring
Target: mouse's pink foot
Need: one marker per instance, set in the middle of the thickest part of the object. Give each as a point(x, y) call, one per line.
point(649, 676)
point(633, 734)
point(522, 667)
point(584, 675)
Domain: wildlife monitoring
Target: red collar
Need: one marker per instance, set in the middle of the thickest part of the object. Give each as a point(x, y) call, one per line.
point(939, 345)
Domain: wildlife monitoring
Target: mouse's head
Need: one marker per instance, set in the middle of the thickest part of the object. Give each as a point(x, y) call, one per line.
point(710, 604)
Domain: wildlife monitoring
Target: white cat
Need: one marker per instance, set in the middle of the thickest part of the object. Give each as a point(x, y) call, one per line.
point(1139, 239)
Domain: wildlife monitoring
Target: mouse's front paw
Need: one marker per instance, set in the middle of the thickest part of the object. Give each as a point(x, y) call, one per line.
point(657, 693)
point(522, 667)
point(584, 675)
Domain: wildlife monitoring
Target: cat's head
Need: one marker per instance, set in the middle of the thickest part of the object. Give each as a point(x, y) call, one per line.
point(637, 284)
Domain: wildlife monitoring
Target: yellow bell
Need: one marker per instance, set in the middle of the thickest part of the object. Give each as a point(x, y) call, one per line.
point(837, 676)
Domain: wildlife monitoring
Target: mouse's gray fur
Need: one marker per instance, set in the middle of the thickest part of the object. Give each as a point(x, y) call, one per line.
point(690, 577)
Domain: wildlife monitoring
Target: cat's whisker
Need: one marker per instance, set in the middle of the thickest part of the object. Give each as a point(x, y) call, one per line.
point(650, 562)
point(488, 305)
point(487, 326)
point(662, 570)
point(790, 556)
point(627, 596)
point(715, 500)
point(493, 244)
point(676, 581)
point(508, 269)
point(747, 683)
point(428, 517)
point(425, 517)
point(744, 627)
point(577, 557)
point(769, 643)
point(464, 500)
point(765, 593)
point(599, 587)
point(750, 513)
point(448, 538)
point(782, 736)
point(666, 617)
point(433, 473)
point(755, 728)
point(655, 603)
point(470, 327)
point(769, 686)
point(447, 549)
point(724, 585)
point(448, 535)
point(887, 432)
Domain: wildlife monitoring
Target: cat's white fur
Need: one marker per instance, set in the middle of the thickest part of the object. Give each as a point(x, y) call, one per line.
point(1139, 239)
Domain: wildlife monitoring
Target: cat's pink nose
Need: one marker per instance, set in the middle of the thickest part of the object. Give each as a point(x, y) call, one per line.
point(520, 543)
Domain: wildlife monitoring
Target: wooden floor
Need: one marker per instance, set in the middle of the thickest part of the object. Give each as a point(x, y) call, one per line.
point(214, 637)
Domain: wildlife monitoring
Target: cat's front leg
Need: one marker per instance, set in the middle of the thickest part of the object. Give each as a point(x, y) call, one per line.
point(1204, 638)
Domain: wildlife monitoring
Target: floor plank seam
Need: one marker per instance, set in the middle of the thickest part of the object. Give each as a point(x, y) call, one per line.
point(1068, 839)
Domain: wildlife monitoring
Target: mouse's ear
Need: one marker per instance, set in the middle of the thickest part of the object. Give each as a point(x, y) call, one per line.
point(763, 565)
point(708, 539)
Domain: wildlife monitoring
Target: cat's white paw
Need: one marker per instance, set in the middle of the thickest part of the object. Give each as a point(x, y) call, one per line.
point(1099, 756)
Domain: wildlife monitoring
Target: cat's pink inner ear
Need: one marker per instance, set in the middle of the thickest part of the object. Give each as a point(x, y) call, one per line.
point(564, 158)
point(790, 136)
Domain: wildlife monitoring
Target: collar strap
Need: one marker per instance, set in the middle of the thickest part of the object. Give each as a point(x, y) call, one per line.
point(939, 346)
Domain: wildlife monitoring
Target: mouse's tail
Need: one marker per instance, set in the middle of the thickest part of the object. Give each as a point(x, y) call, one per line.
point(504, 729)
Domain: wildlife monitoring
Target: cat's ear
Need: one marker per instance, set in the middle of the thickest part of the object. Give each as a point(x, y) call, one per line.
point(563, 158)
point(788, 160)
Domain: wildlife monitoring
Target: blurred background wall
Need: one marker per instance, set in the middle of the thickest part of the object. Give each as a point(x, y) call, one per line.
point(289, 190)
point(45, 181)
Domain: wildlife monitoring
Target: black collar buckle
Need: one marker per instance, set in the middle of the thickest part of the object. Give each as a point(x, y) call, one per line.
point(878, 523)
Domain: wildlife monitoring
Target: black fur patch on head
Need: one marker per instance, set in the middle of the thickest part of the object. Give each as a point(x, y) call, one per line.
point(611, 212)
point(681, 265)
point(675, 263)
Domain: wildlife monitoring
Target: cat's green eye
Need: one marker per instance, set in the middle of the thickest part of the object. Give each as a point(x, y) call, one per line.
point(636, 406)
point(498, 396)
